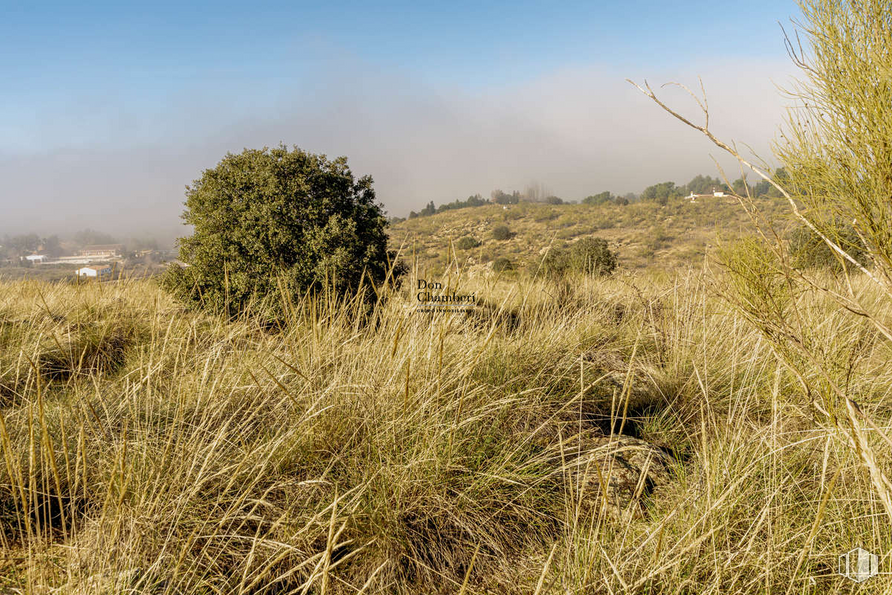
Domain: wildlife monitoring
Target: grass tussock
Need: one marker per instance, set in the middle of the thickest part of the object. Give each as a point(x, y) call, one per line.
point(150, 449)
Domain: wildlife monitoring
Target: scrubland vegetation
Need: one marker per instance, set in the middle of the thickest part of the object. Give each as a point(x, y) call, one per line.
point(151, 449)
point(677, 235)
point(715, 424)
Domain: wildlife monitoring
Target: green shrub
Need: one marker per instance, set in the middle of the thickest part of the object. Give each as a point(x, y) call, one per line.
point(808, 250)
point(592, 256)
point(501, 233)
point(273, 223)
point(467, 243)
point(587, 256)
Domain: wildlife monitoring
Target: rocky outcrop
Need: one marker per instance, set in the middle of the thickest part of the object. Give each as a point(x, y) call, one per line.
point(616, 473)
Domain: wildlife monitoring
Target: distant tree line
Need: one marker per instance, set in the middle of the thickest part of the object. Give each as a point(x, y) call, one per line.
point(663, 192)
point(13, 248)
point(606, 197)
point(660, 193)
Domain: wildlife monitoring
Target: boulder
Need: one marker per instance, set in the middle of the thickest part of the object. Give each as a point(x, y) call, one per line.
point(615, 473)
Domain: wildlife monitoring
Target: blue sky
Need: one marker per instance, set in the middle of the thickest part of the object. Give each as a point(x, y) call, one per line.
point(176, 85)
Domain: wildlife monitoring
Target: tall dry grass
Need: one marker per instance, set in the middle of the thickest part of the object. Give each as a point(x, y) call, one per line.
point(148, 449)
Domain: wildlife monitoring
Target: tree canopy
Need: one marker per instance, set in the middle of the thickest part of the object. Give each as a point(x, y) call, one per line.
point(278, 220)
point(661, 193)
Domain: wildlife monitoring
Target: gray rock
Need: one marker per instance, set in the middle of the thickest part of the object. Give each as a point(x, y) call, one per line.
point(616, 472)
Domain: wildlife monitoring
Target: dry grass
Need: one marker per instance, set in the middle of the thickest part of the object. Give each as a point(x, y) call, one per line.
point(678, 235)
point(153, 450)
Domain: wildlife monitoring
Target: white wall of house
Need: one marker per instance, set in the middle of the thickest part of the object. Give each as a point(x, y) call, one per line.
point(92, 272)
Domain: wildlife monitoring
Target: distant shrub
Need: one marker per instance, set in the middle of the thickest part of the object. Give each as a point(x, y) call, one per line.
point(587, 256)
point(501, 233)
point(467, 242)
point(554, 200)
point(548, 215)
point(599, 199)
point(502, 264)
point(592, 256)
point(428, 210)
point(646, 253)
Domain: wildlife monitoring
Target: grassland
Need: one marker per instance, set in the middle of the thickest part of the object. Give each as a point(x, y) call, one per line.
point(149, 449)
point(66, 273)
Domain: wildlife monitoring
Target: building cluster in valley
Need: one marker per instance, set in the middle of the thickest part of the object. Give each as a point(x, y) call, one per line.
point(97, 261)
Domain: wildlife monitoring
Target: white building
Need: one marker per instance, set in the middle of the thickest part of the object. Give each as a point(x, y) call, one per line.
point(94, 271)
point(716, 194)
point(102, 251)
point(36, 258)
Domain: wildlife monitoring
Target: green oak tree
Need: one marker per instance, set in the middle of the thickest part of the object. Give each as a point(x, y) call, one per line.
point(271, 224)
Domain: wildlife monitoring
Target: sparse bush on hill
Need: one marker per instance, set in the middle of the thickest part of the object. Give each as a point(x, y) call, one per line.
point(592, 256)
point(657, 238)
point(501, 233)
point(273, 223)
point(682, 227)
point(467, 243)
point(586, 256)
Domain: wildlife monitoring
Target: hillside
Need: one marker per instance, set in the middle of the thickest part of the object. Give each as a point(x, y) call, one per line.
point(643, 233)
